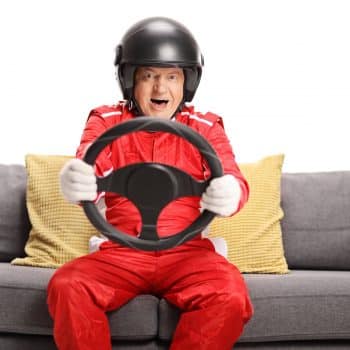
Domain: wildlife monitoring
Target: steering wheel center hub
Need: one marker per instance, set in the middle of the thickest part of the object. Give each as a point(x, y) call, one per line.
point(152, 185)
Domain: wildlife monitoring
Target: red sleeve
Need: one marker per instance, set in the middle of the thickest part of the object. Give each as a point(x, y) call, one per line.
point(221, 144)
point(95, 126)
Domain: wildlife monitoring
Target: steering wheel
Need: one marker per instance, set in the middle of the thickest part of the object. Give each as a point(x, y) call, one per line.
point(151, 186)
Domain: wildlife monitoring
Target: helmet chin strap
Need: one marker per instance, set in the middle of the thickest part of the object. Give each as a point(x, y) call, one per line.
point(179, 108)
point(134, 107)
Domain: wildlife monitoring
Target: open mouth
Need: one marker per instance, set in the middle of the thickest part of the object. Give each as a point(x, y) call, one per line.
point(159, 102)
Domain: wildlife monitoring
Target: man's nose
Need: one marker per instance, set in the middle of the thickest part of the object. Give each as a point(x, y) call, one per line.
point(160, 85)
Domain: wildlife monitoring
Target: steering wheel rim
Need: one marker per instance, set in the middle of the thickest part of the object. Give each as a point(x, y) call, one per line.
point(151, 124)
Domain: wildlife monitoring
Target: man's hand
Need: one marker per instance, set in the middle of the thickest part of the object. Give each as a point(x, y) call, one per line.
point(222, 196)
point(78, 181)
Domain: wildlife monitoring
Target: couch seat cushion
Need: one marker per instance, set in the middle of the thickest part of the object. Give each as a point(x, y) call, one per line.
point(24, 311)
point(23, 299)
point(137, 320)
point(303, 305)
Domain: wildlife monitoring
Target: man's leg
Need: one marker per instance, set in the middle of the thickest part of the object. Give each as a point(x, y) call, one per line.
point(212, 295)
point(82, 291)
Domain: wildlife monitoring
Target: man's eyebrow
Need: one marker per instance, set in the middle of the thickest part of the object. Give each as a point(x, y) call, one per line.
point(147, 69)
point(174, 72)
point(150, 69)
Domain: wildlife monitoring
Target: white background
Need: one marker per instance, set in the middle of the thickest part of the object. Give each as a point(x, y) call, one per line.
point(277, 71)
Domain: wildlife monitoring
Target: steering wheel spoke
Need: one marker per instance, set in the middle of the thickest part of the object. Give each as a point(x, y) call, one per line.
point(110, 183)
point(187, 185)
point(149, 233)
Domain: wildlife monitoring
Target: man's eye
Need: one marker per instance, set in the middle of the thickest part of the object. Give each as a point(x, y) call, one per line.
point(148, 76)
point(173, 77)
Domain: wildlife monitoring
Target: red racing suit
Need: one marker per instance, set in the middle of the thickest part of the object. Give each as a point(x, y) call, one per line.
point(163, 148)
point(208, 289)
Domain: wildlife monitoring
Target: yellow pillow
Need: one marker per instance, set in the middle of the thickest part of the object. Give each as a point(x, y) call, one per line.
point(254, 235)
point(60, 231)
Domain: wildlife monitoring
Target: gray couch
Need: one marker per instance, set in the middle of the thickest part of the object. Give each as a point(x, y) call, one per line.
point(306, 309)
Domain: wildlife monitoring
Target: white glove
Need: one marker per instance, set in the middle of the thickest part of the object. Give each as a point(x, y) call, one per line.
point(78, 181)
point(95, 242)
point(222, 196)
point(220, 245)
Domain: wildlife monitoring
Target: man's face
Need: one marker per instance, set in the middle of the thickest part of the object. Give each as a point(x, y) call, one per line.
point(159, 91)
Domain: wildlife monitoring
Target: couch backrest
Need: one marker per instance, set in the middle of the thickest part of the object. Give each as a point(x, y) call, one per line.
point(316, 223)
point(14, 221)
point(315, 227)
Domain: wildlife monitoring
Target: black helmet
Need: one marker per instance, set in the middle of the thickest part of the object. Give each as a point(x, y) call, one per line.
point(158, 41)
